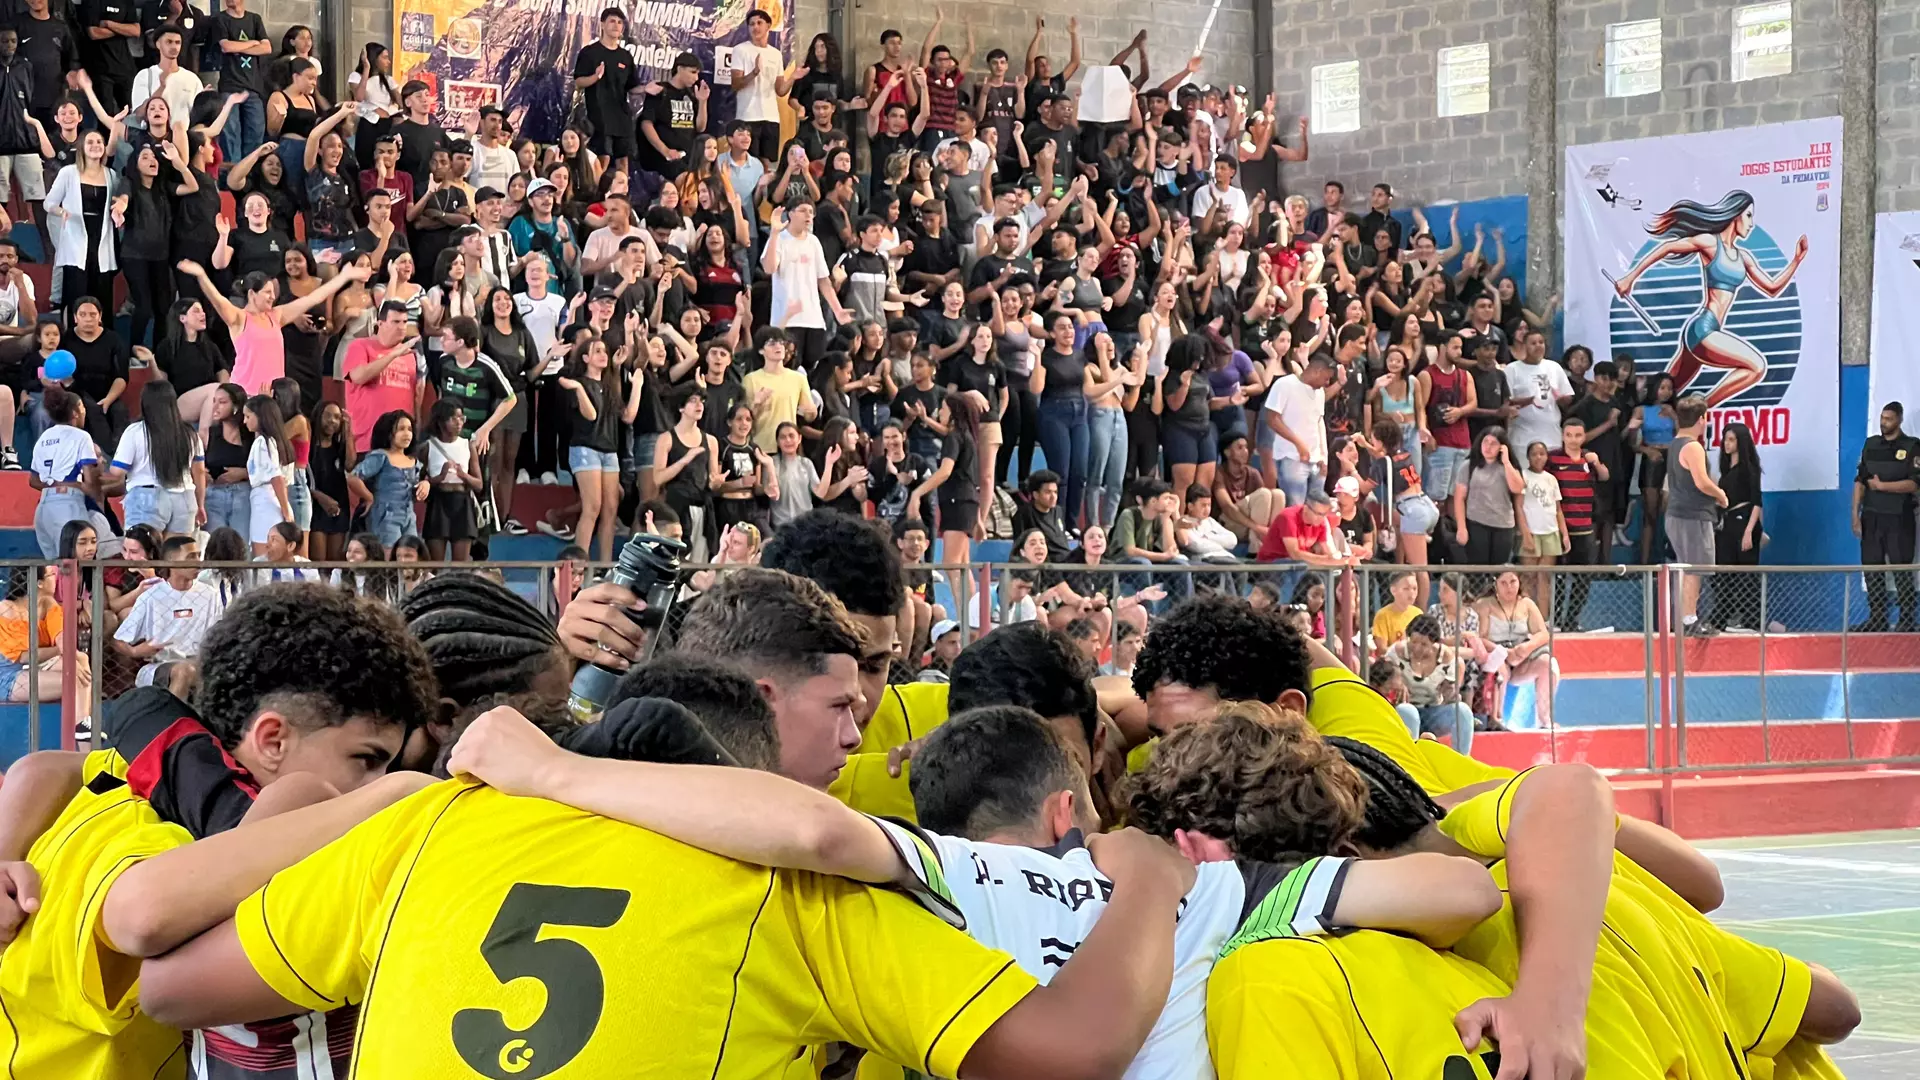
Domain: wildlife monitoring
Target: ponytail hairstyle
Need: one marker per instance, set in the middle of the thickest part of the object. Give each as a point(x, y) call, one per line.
point(1397, 808)
point(169, 439)
point(63, 406)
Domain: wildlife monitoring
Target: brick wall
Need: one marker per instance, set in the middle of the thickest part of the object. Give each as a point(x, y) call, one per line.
point(1897, 75)
point(1402, 139)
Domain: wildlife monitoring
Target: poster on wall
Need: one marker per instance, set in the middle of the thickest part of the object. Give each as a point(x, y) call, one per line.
point(519, 54)
point(1716, 257)
point(1894, 354)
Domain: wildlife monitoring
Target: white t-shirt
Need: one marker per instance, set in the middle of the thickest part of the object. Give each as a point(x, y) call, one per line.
point(757, 102)
point(285, 573)
point(1304, 410)
point(802, 264)
point(14, 300)
point(375, 99)
point(62, 454)
point(542, 319)
point(1541, 497)
point(459, 452)
point(1546, 382)
point(174, 618)
point(179, 90)
point(1041, 905)
point(263, 463)
point(1233, 201)
point(492, 166)
point(134, 456)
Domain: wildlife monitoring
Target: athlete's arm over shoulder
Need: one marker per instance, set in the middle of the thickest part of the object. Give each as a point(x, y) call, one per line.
point(743, 814)
point(1679, 865)
point(1094, 1016)
point(1426, 895)
point(160, 903)
point(207, 982)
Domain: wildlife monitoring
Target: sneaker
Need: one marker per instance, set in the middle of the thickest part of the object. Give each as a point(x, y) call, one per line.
point(521, 477)
point(9, 459)
point(549, 478)
point(514, 528)
point(556, 531)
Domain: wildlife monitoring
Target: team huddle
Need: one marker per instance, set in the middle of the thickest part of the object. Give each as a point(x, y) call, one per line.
point(763, 860)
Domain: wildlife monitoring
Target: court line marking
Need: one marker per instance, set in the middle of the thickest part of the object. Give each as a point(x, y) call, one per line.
point(1851, 866)
point(1828, 915)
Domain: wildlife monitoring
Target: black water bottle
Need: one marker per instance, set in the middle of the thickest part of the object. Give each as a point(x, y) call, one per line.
point(649, 566)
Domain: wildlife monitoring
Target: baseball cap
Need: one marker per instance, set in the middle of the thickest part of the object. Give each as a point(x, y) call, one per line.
point(1347, 485)
point(670, 251)
point(606, 292)
point(539, 186)
point(943, 628)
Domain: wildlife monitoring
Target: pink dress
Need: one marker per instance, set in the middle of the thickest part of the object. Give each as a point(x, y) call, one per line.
point(259, 354)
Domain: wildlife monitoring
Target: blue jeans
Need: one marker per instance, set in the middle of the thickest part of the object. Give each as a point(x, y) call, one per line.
point(1297, 477)
point(1453, 719)
point(1443, 466)
point(300, 498)
point(246, 127)
point(1106, 464)
point(1063, 438)
point(230, 505)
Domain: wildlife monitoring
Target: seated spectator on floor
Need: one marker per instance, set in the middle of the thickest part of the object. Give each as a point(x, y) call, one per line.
point(1434, 676)
point(283, 547)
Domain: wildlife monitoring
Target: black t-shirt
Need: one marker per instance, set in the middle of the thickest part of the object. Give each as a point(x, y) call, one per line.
point(190, 364)
point(1125, 318)
point(149, 223)
point(937, 331)
point(1066, 373)
point(932, 398)
point(49, 45)
point(96, 363)
point(1263, 174)
point(1490, 392)
point(364, 240)
point(890, 486)
point(417, 144)
point(1358, 527)
point(829, 222)
point(1593, 412)
point(601, 433)
point(1066, 148)
point(606, 100)
point(989, 379)
point(997, 114)
point(938, 255)
point(721, 398)
point(113, 54)
point(672, 113)
point(240, 71)
point(963, 483)
point(264, 252)
point(988, 268)
point(882, 147)
point(193, 218)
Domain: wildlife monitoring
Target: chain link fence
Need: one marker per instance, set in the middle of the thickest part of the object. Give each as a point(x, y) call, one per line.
point(1651, 670)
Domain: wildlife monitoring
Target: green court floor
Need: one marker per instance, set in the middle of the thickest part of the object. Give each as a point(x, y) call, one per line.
point(1852, 904)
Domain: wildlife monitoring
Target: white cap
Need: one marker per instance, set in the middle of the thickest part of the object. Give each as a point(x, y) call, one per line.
point(943, 628)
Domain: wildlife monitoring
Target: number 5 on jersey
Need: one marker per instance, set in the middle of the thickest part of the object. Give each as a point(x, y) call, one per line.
point(575, 989)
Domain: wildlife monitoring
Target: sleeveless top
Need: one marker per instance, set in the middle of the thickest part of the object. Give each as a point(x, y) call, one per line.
point(1397, 407)
point(259, 354)
point(1725, 274)
point(1685, 500)
point(1014, 345)
point(689, 487)
point(1449, 390)
point(1656, 427)
point(299, 120)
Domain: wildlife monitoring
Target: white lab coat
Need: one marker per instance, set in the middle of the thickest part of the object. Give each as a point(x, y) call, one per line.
point(70, 232)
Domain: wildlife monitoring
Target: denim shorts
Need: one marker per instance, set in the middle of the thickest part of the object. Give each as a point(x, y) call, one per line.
point(586, 459)
point(1418, 515)
point(171, 512)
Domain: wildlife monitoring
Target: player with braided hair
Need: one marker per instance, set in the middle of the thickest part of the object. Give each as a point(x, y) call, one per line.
point(483, 640)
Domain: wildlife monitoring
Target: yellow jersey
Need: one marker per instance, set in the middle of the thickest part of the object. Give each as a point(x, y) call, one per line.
point(1364, 1005)
point(907, 711)
point(508, 937)
point(1342, 704)
point(70, 999)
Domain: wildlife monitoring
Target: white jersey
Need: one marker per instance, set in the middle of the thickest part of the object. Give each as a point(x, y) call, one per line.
point(1040, 905)
point(62, 454)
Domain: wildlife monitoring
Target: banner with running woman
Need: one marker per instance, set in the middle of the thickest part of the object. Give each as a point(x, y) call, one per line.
point(1715, 257)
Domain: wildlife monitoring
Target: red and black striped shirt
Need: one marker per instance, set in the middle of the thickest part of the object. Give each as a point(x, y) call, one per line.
point(1576, 490)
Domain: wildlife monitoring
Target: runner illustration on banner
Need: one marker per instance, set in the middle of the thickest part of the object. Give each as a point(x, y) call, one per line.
point(1713, 235)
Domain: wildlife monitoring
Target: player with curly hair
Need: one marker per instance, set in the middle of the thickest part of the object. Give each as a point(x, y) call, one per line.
point(305, 693)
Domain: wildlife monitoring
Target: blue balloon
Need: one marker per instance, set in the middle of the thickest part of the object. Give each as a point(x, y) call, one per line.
point(59, 366)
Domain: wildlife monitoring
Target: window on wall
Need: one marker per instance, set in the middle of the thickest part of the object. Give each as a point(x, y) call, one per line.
point(1762, 40)
point(1464, 73)
point(1336, 97)
point(1633, 58)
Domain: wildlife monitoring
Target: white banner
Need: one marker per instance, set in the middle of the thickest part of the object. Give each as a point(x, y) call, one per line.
point(1895, 355)
point(1716, 257)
